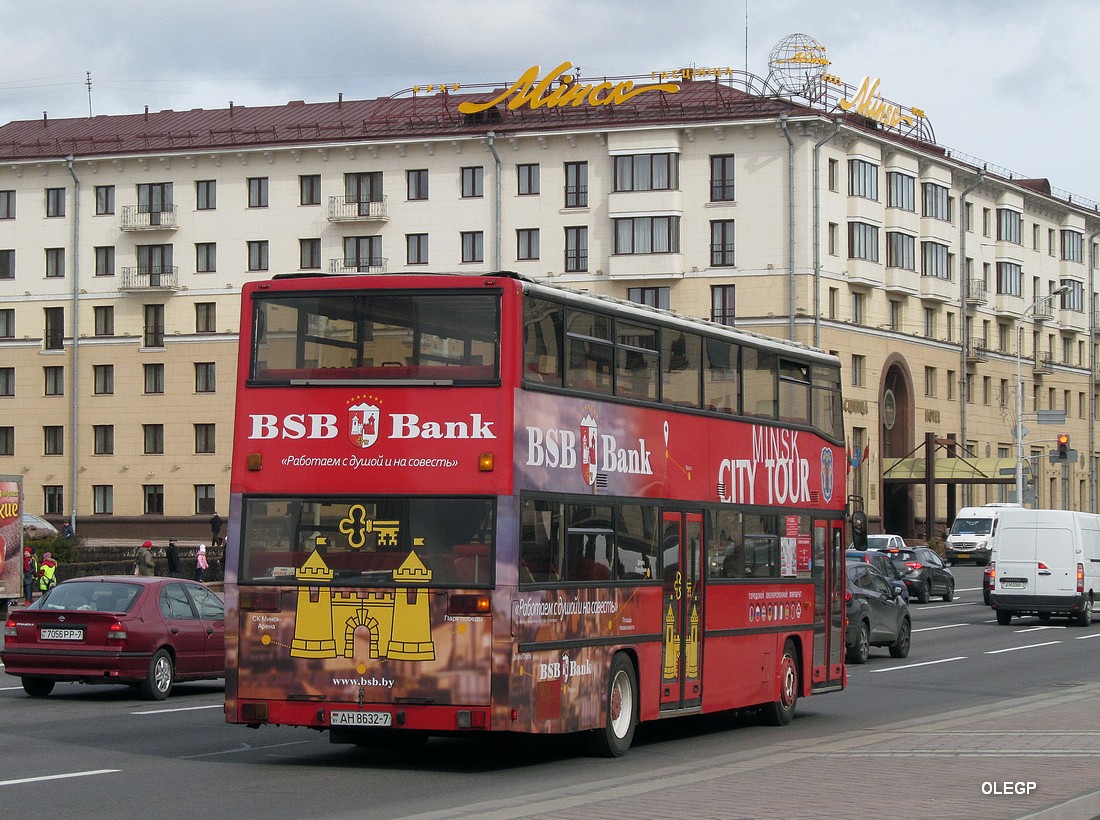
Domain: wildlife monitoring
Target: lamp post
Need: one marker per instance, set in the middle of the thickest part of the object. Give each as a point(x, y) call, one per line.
point(1020, 389)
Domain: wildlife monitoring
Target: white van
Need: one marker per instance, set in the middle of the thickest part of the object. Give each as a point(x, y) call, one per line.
point(972, 533)
point(1045, 562)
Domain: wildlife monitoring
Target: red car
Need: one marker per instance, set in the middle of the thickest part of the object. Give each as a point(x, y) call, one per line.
point(141, 631)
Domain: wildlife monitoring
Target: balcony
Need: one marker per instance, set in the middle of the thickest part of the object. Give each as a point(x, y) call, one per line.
point(900, 280)
point(978, 351)
point(355, 209)
point(149, 278)
point(1043, 311)
point(976, 294)
point(1044, 363)
point(376, 265)
point(139, 218)
point(937, 289)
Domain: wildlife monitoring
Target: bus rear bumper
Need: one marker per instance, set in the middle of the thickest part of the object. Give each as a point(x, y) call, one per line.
point(351, 719)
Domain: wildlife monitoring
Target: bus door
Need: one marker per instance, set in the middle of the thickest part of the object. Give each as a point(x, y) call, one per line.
point(682, 610)
point(829, 612)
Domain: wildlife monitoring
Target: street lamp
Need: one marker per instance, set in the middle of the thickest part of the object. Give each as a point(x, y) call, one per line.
point(1020, 389)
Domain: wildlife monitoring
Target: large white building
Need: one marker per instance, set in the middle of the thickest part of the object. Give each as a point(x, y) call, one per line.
point(821, 213)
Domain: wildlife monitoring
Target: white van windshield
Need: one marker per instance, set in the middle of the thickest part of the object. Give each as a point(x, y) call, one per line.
point(972, 526)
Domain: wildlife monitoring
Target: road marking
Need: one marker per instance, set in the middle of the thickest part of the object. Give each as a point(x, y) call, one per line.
point(1086, 637)
point(246, 748)
point(915, 665)
point(934, 628)
point(9, 688)
point(947, 606)
point(56, 777)
point(1029, 646)
point(179, 709)
point(1036, 628)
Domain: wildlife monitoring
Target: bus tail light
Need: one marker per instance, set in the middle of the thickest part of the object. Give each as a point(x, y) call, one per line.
point(253, 712)
point(1080, 578)
point(470, 719)
point(468, 604)
point(260, 600)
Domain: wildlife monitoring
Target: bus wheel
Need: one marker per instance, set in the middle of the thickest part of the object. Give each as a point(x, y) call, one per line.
point(780, 712)
point(620, 710)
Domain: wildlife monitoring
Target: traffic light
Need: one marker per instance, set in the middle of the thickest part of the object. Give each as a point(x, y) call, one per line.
point(1063, 447)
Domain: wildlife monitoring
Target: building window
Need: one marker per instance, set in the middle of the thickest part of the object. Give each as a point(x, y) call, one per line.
point(103, 439)
point(257, 255)
point(473, 182)
point(834, 175)
point(934, 259)
point(104, 199)
point(206, 317)
point(723, 304)
point(205, 377)
point(55, 380)
point(416, 248)
point(1074, 298)
point(576, 185)
point(647, 234)
point(834, 239)
point(154, 326)
point(361, 253)
point(206, 257)
point(936, 202)
point(654, 297)
point(527, 179)
point(7, 381)
point(54, 328)
point(576, 249)
point(1073, 246)
point(901, 250)
point(7, 441)
point(204, 438)
point(363, 189)
point(7, 204)
point(204, 499)
point(206, 194)
point(155, 261)
point(104, 379)
point(155, 198)
point(153, 495)
point(53, 440)
point(154, 378)
point(901, 191)
point(105, 260)
point(416, 183)
point(53, 499)
point(7, 323)
point(103, 499)
point(473, 246)
point(862, 241)
point(257, 192)
point(647, 172)
point(309, 189)
point(858, 308)
point(1010, 225)
point(55, 263)
point(153, 439)
point(55, 202)
point(721, 243)
point(527, 243)
point(862, 179)
point(1009, 279)
point(929, 323)
point(721, 178)
point(309, 254)
point(7, 264)
point(930, 382)
point(858, 364)
point(895, 315)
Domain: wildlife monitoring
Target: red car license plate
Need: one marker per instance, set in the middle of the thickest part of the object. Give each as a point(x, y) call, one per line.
point(51, 634)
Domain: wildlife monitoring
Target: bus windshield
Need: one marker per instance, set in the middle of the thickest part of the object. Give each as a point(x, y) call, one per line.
point(367, 541)
point(447, 336)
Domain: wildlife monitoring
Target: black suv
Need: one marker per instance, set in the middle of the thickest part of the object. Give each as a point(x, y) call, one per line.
point(876, 614)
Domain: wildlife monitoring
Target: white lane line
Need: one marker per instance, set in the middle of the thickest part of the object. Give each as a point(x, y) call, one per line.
point(915, 665)
point(179, 709)
point(934, 628)
point(1015, 648)
point(245, 749)
point(1086, 637)
point(56, 777)
point(9, 688)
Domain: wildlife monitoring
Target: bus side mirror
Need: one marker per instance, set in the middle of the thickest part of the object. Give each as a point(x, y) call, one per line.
point(859, 530)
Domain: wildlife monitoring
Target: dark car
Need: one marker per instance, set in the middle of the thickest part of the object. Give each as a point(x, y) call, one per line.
point(924, 572)
point(881, 561)
point(142, 631)
point(876, 614)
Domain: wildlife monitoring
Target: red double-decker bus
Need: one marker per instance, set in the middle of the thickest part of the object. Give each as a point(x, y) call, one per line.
point(468, 504)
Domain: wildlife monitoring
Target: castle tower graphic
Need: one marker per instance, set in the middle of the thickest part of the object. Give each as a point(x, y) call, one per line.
point(398, 620)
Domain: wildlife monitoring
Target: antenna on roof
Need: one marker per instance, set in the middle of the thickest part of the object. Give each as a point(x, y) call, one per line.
point(88, 82)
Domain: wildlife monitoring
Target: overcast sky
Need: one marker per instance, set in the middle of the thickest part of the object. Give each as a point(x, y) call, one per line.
point(1010, 82)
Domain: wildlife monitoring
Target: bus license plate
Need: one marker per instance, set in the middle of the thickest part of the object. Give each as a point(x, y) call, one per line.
point(1013, 585)
point(48, 634)
point(360, 719)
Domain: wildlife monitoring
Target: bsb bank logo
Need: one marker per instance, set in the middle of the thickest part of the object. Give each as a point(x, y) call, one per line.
point(586, 448)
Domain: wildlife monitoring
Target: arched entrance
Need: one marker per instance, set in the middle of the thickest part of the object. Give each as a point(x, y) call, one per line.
point(896, 441)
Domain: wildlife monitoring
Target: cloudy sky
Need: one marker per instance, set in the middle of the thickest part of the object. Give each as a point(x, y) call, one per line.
point(1005, 81)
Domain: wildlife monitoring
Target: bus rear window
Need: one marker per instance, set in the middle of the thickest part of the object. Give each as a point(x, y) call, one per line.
point(443, 337)
point(368, 541)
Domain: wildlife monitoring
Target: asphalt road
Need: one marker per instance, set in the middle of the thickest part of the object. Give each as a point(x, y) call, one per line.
point(914, 729)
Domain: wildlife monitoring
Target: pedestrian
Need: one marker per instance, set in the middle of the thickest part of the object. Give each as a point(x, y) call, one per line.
point(216, 524)
point(145, 564)
point(30, 573)
point(47, 573)
point(175, 569)
point(201, 565)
